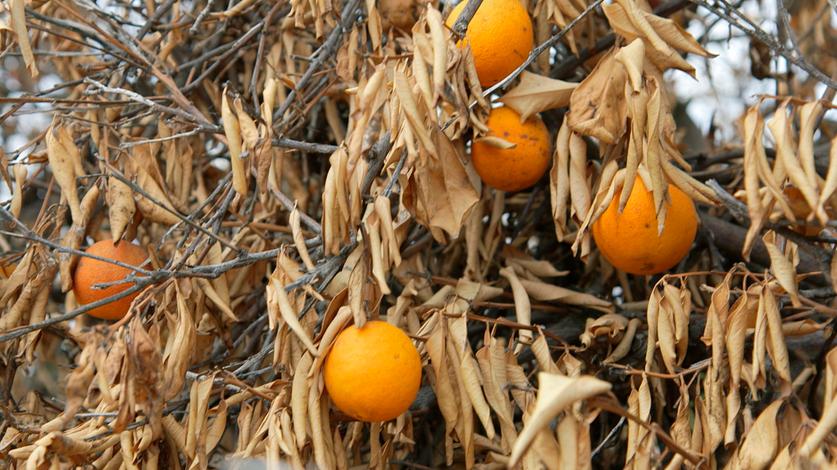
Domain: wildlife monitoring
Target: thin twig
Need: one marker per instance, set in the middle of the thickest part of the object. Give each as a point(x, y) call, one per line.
point(609, 436)
point(348, 16)
point(611, 406)
point(465, 17)
point(747, 26)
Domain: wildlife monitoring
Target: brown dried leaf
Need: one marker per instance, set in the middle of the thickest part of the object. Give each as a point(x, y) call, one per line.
point(559, 180)
point(624, 347)
point(299, 239)
point(522, 306)
point(536, 267)
point(440, 50)
point(441, 193)
point(611, 325)
point(597, 106)
point(632, 57)
point(809, 115)
point(142, 168)
point(21, 174)
point(495, 141)
point(659, 34)
point(65, 161)
point(782, 267)
point(761, 443)
point(666, 336)
point(470, 375)
point(776, 346)
point(759, 343)
point(179, 350)
point(830, 183)
point(579, 187)
point(199, 395)
point(491, 358)
point(18, 13)
point(736, 332)
point(276, 293)
point(445, 394)
point(232, 131)
point(548, 292)
point(753, 149)
point(299, 399)
point(121, 207)
point(411, 112)
point(535, 93)
point(780, 129)
point(640, 440)
point(555, 393)
point(828, 419)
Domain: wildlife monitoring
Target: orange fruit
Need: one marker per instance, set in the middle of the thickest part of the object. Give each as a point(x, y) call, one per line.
point(630, 241)
point(90, 272)
point(500, 36)
point(373, 373)
point(514, 168)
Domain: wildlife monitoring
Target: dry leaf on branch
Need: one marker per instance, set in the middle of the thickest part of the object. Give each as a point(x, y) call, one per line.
point(535, 93)
point(556, 393)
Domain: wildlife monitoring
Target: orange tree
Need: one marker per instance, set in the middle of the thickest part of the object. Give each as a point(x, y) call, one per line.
point(403, 233)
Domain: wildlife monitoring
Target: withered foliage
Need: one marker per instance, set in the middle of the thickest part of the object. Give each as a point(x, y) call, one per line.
point(293, 167)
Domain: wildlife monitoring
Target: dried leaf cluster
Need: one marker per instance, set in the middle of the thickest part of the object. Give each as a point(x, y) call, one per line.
point(296, 167)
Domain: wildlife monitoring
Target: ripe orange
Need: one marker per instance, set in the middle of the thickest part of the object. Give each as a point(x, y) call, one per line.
point(90, 272)
point(515, 168)
point(630, 242)
point(500, 36)
point(373, 373)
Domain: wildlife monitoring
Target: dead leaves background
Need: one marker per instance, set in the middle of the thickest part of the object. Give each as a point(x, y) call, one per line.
point(347, 194)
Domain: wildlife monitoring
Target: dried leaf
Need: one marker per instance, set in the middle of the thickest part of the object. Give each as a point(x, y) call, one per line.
point(761, 443)
point(121, 207)
point(440, 51)
point(782, 268)
point(809, 115)
point(632, 57)
point(535, 93)
point(753, 129)
point(18, 13)
point(830, 184)
point(640, 440)
point(777, 348)
point(232, 131)
point(555, 393)
point(597, 106)
point(780, 128)
point(64, 161)
point(559, 180)
point(659, 34)
point(290, 315)
point(548, 292)
point(579, 188)
point(522, 306)
point(441, 194)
